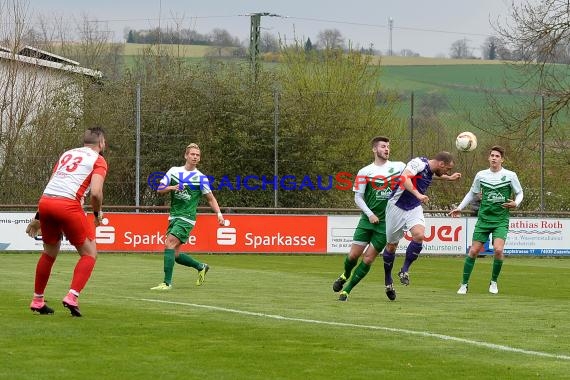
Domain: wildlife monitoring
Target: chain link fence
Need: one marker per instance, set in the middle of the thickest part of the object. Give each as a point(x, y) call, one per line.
point(276, 148)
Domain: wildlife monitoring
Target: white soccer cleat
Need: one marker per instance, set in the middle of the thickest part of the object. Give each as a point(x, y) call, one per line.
point(493, 287)
point(162, 286)
point(462, 289)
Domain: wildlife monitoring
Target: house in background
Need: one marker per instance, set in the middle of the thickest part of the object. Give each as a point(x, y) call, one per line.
point(38, 58)
point(30, 77)
point(33, 81)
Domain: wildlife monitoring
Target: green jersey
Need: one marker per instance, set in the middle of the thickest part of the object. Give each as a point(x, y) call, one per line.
point(380, 180)
point(496, 188)
point(184, 202)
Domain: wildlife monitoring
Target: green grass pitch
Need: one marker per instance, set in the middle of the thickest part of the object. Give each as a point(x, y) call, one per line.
point(276, 317)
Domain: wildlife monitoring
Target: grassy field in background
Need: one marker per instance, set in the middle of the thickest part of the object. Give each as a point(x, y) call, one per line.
point(429, 61)
point(455, 78)
point(204, 50)
point(448, 77)
point(260, 317)
point(189, 51)
point(457, 93)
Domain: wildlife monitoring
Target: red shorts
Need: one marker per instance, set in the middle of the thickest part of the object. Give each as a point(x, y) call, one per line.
point(62, 215)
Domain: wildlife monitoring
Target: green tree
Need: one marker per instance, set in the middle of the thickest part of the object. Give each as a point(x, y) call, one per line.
point(308, 45)
point(329, 114)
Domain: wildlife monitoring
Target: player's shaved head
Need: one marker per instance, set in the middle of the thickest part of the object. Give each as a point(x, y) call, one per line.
point(445, 157)
point(93, 136)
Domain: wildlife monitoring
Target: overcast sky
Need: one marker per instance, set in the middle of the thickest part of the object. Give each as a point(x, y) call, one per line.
point(428, 27)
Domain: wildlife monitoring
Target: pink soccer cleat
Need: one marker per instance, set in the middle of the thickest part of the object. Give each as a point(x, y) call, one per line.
point(70, 301)
point(38, 305)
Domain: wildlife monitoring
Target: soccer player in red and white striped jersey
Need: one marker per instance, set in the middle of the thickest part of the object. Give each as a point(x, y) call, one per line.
point(60, 211)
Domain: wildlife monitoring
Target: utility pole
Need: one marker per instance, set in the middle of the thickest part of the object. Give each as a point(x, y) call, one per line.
point(254, 37)
point(390, 26)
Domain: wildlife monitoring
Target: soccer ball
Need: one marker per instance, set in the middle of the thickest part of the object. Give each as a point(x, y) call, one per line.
point(466, 142)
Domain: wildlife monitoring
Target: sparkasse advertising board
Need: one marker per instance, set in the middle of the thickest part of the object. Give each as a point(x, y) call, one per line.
point(318, 234)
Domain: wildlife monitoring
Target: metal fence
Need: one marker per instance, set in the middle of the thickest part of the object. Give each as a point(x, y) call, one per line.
point(269, 140)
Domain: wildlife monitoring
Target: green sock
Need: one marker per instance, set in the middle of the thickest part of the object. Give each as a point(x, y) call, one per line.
point(349, 266)
point(359, 273)
point(468, 268)
point(189, 261)
point(168, 265)
point(497, 264)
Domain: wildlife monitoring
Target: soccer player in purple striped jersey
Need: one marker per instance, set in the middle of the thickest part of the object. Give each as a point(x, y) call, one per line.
point(404, 211)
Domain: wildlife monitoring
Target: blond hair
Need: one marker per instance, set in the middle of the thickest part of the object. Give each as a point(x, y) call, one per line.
point(192, 146)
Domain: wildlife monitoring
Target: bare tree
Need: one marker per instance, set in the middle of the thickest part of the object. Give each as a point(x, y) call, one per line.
point(41, 103)
point(25, 89)
point(330, 39)
point(538, 35)
point(495, 48)
point(14, 18)
point(540, 30)
point(408, 53)
point(221, 37)
point(268, 43)
point(460, 49)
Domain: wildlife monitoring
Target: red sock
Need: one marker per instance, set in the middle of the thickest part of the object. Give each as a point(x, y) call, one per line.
point(43, 271)
point(82, 273)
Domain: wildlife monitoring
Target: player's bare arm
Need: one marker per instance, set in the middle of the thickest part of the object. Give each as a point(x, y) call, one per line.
point(510, 204)
point(447, 177)
point(455, 213)
point(215, 207)
point(33, 228)
point(167, 189)
point(97, 181)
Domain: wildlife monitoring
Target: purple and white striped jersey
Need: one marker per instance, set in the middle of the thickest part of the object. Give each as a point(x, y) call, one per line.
point(419, 167)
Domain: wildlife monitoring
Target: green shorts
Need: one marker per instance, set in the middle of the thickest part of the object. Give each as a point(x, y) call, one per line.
point(179, 228)
point(374, 234)
point(483, 230)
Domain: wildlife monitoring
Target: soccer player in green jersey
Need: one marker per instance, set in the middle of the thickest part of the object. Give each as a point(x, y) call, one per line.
point(372, 187)
point(186, 185)
point(496, 186)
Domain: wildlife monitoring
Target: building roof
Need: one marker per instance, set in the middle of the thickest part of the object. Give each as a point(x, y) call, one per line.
point(30, 51)
point(37, 57)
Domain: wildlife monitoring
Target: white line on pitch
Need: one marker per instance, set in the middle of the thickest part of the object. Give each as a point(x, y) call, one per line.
point(369, 327)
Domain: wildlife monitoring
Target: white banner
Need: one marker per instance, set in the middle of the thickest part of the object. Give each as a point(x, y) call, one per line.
point(527, 236)
point(536, 236)
point(442, 236)
point(13, 235)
